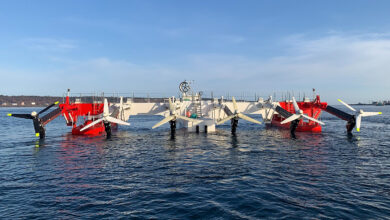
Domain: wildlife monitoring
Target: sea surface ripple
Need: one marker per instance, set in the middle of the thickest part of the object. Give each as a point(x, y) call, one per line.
point(143, 173)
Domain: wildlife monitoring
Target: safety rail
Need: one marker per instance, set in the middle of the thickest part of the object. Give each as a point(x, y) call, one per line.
point(205, 95)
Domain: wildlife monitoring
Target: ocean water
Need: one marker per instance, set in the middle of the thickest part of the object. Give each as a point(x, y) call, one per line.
point(144, 174)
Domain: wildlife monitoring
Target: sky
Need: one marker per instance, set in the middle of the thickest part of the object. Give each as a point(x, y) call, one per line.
point(340, 48)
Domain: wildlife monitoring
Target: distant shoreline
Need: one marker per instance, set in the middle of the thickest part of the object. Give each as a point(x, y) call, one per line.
point(369, 104)
point(43, 101)
point(28, 101)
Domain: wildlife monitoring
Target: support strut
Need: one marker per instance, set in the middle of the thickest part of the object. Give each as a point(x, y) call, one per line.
point(350, 125)
point(173, 127)
point(234, 124)
point(39, 127)
point(107, 127)
point(293, 127)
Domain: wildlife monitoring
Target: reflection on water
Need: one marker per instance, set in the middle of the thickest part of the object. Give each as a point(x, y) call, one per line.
point(39, 143)
point(144, 173)
point(234, 141)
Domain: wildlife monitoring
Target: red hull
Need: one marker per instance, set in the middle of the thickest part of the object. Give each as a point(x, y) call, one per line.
point(97, 129)
point(312, 109)
point(94, 130)
point(72, 112)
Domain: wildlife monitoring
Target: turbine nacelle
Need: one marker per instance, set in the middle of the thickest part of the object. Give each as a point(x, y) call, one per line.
point(299, 115)
point(359, 114)
point(237, 115)
point(173, 116)
point(38, 122)
point(106, 118)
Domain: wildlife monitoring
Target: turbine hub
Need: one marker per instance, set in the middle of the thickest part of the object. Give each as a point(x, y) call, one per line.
point(34, 114)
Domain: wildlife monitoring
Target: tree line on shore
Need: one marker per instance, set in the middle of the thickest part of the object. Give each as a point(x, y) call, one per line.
point(31, 101)
point(27, 101)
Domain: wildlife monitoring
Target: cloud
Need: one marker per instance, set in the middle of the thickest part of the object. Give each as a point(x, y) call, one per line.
point(107, 75)
point(354, 67)
point(362, 60)
point(49, 44)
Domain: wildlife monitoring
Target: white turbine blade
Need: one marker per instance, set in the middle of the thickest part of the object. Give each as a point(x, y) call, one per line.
point(92, 124)
point(165, 120)
point(171, 106)
point(225, 119)
point(296, 107)
point(187, 119)
point(348, 106)
point(105, 108)
point(358, 122)
point(121, 104)
point(115, 120)
point(291, 118)
point(313, 119)
point(247, 118)
point(234, 104)
point(371, 113)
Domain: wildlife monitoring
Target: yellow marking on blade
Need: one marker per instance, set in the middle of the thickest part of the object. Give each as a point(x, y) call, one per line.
point(37, 134)
point(9, 114)
point(339, 100)
point(358, 129)
point(55, 103)
point(379, 113)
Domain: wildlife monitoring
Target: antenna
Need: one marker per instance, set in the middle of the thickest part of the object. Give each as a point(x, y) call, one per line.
point(314, 93)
